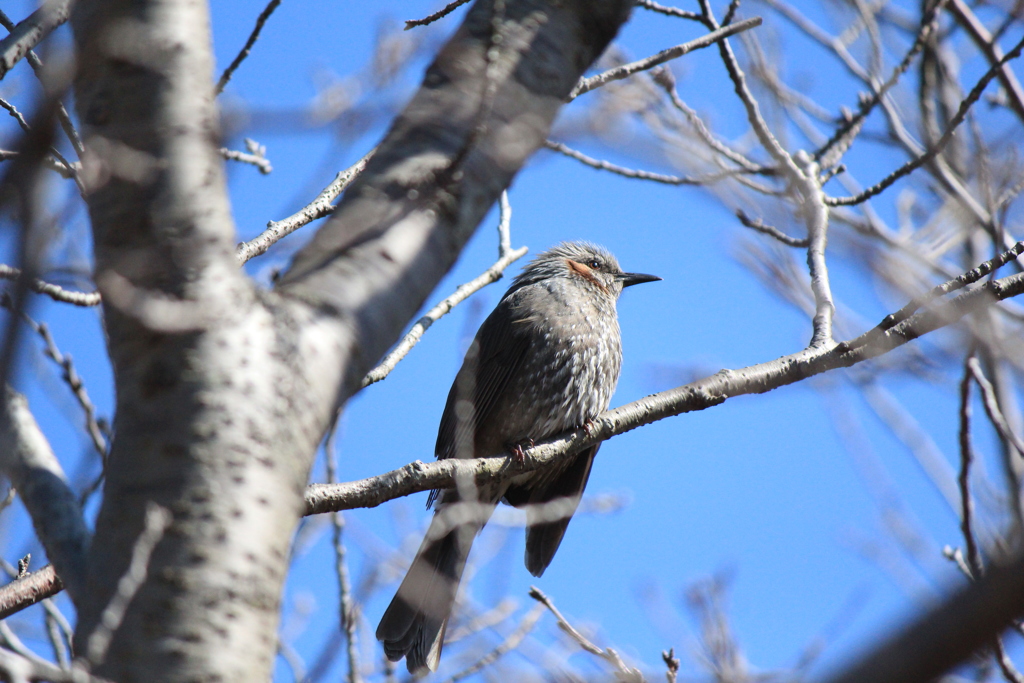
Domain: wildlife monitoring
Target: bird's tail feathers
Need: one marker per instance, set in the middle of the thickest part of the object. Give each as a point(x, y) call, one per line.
point(414, 623)
point(550, 510)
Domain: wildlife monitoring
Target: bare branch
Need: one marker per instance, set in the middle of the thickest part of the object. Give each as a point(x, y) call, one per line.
point(772, 231)
point(510, 643)
point(441, 13)
point(347, 609)
point(699, 395)
point(247, 48)
point(55, 160)
point(62, 113)
point(940, 144)
point(843, 137)
point(626, 672)
point(27, 34)
point(55, 292)
point(1010, 672)
point(587, 84)
point(318, 208)
point(974, 563)
point(668, 11)
point(991, 403)
point(667, 81)
point(26, 458)
point(952, 285)
point(947, 634)
point(28, 590)
point(603, 165)
point(255, 156)
point(71, 377)
point(988, 46)
point(506, 258)
point(815, 213)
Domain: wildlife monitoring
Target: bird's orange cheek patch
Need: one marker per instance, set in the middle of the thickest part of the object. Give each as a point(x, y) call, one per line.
point(583, 271)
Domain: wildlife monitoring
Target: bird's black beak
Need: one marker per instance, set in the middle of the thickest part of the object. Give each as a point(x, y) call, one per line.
point(630, 279)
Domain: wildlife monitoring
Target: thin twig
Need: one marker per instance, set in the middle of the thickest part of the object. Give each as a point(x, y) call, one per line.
point(974, 562)
point(62, 113)
point(973, 566)
point(9, 638)
point(293, 659)
point(1010, 672)
point(240, 57)
point(603, 165)
point(988, 46)
point(55, 292)
point(462, 292)
point(940, 144)
point(772, 231)
point(56, 160)
point(843, 137)
point(667, 81)
point(74, 381)
point(668, 11)
point(346, 608)
point(506, 646)
point(959, 282)
point(255, 156)
point(956, 556)
point(991, 403)
point(318, 208)
point(443, 12)
point(626, 672)
point(587, 84)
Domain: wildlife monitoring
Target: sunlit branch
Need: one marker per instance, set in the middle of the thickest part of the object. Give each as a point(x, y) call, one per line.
point(55, 292)
point(318, 208)
point(587, 84)
point(507, 256)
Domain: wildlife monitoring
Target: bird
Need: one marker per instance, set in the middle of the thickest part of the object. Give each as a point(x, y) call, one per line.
point(545, 361)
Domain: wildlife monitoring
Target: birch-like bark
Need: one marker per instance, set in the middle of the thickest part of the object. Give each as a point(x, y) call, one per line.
point(28, 461)
point(224, 391)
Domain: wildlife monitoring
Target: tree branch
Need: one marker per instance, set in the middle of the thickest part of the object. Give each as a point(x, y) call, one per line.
point(626, 70)
point(55, 292)
point(318, 208)
point(26, 458)
point(940, 144)
point(27, 34)
point(506, 257)
point(28, 590)
point(705, 393)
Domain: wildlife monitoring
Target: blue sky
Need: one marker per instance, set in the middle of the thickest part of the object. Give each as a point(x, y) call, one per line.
point(761, 489)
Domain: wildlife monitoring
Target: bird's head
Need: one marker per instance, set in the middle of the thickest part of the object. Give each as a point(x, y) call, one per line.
point(587, 264)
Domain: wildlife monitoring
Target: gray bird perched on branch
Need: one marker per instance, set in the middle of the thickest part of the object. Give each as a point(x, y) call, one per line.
point(545, 361)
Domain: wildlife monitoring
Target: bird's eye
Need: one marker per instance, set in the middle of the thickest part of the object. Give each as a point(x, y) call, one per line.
point(595, 264)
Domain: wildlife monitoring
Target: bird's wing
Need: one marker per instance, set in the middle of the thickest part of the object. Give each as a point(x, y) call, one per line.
point(497, 355)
